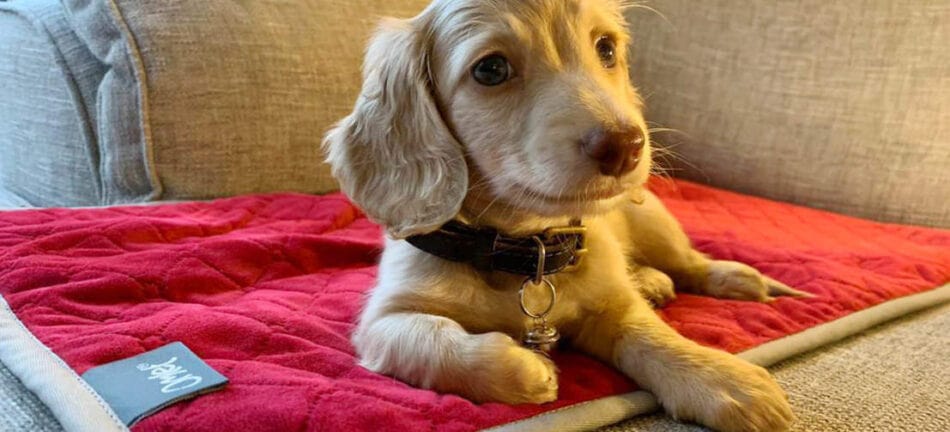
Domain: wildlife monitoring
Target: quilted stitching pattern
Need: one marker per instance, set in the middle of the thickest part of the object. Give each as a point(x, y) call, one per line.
point(266, 288)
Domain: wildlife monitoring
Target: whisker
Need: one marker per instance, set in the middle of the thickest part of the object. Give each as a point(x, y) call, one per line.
point(664, 130)
point(666, 152)
point(485, 209)
point(626, 5)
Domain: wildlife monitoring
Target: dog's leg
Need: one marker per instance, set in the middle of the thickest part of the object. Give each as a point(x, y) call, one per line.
point(691, 382)
point(435, 352)
point(662, 244)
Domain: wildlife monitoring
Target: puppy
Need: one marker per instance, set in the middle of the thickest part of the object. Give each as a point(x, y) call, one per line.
point(515, 117)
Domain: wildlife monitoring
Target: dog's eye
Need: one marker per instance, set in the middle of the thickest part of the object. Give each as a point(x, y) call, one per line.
point(492, 70)
point(607, 51)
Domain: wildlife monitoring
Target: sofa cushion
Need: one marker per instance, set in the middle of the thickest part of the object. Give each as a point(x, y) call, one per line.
point(837, 105)
point(48, 79)
point(232, 96)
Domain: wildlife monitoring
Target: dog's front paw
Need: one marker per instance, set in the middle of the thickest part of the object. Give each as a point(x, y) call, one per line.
point(734, 280)
point(655, 286)
point(513, 374)
point(736, 396)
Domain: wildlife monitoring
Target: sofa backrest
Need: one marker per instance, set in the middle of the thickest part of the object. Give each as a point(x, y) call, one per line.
point(122, 101)
point(828, 104)
point(840, 105)
point(48, 85)
point(233, 96)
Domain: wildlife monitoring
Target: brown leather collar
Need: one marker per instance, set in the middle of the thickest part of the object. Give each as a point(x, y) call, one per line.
point(488, 250)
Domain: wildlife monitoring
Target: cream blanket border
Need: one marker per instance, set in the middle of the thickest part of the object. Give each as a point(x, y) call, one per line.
point(79, 409)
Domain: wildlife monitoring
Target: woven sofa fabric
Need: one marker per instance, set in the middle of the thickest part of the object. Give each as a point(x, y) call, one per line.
point(48, 79)
point(841, 105)
point(235, 95)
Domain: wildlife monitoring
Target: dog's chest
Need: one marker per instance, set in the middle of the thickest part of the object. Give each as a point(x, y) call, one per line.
point(514, 303)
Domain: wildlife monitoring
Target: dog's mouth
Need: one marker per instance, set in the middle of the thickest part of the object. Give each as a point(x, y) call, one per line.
point(598, 195)
point(575, 198)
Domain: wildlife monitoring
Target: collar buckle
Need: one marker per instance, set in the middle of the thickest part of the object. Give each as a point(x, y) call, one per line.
point(575, 228)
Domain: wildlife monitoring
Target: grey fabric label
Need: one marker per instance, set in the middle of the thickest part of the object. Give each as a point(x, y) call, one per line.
point(142, 385)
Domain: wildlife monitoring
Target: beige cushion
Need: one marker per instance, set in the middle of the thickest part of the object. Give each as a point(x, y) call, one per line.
point(841, 105)
point(235, 95)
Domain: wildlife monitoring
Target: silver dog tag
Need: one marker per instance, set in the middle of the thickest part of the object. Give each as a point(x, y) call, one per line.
point(541, 337)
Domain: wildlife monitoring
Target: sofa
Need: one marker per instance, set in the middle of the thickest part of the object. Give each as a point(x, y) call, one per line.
point(840, 106)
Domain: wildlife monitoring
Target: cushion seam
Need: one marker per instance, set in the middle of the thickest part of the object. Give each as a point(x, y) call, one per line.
point(138, 65)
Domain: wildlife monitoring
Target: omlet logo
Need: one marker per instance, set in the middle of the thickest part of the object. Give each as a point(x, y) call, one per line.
point(172, 377)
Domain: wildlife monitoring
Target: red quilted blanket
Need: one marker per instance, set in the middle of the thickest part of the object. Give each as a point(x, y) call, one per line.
point(266, 289)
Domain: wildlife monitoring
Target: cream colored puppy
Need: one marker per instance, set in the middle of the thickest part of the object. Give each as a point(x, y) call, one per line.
point(519, 116)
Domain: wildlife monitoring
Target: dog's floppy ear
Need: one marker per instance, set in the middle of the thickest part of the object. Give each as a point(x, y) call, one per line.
point(394, 155)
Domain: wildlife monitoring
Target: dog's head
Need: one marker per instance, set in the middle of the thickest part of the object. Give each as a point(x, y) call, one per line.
point(525, 105)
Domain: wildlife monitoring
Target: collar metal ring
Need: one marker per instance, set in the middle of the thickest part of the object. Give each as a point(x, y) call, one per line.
point(542, 255)
point(524, 306)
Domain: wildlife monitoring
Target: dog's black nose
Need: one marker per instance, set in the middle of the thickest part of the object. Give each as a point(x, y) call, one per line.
point(617, 151)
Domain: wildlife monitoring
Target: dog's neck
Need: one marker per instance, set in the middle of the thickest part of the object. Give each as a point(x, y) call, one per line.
point(484, 211)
